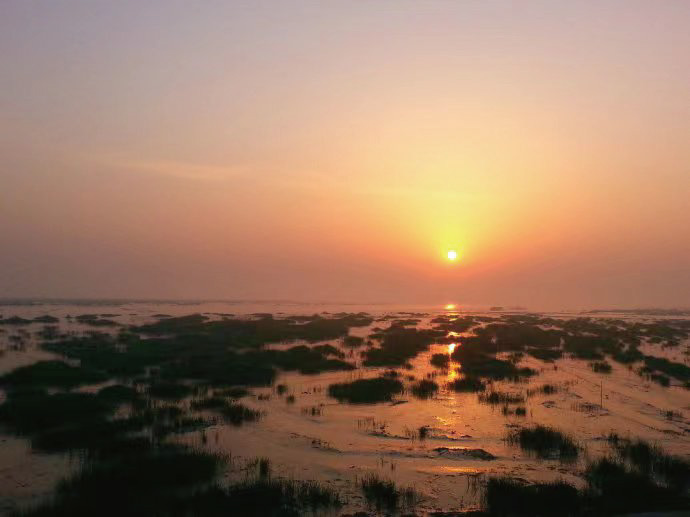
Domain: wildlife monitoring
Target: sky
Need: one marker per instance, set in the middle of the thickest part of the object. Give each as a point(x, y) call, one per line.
point(312, 150)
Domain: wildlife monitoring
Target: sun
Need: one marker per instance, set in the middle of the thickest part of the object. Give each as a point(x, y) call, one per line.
point(452, 255)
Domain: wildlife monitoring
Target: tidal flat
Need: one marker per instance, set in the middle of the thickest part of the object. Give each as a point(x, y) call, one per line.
point(220, 408)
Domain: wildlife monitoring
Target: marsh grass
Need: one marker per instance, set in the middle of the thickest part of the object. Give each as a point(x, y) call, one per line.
point(139, 484)
point(366, 391)
point(36, 411)
point(260, 497)
point(169, 390)
point(466, 384)
point(499, 397)
point(353, 341)
point(237, 414)
point(545, 442)
point(506, 496)
point(617, 489)
point(208, 403)
point(440, 360)
point(399, 345)
point(424, 389)
point(600, 367)
point(651, 461)
point(385, 494)
point(51, 374)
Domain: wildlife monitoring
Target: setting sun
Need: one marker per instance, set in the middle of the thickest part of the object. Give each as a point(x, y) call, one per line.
point(452, 255)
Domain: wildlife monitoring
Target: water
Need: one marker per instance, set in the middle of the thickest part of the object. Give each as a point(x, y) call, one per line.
point(338, 444)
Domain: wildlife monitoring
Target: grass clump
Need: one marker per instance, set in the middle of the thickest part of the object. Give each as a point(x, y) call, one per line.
point(545, 442)
point(466, 384)
point(169, 390)
point(499, 397)
point(138, 485)
point(57, 374)
point(424, 389)
point(616, 489)
point(650, 460)
point(353, 341)
point(237, 414)
point(366, 391)
point(678, 371)
point(440, 360)
point(265, 496)
point(600, 367)
point(398, 345)
point(385, 494)
point(208, 403)
point(477, 361)
point(545, 354)
point(36, 411)
point(506, 496)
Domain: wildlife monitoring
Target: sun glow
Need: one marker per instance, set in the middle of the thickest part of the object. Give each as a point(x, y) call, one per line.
point(451, 347)
point(452, 255)
point(450, 307)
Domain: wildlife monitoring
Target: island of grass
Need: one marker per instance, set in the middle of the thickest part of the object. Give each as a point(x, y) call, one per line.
point(366, 391)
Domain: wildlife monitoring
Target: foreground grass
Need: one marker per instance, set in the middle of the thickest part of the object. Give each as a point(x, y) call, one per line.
point(640, 478)
point(545, 442)
point(384, 494)
point(424, 389)
point(505, 496)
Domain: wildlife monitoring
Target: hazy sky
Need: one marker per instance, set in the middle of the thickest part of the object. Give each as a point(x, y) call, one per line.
point(335, 150)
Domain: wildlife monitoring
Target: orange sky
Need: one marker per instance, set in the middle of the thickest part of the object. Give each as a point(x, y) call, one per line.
point(336, 151)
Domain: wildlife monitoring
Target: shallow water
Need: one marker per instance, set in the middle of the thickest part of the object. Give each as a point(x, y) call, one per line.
point(340, 443)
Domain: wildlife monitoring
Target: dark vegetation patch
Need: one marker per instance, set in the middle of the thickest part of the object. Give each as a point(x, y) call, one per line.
point(678, 371)
point(264, 496)
point(476, 361)
point(46, 319)
point(119, 394)
point(329, 350)
point(208, 403)
point(27, 412)
point(612, 489)
point(544, 442)
point(306, 360)
point(384, 494)
point(600, 367)
point(140, 484)
point(169, 390)
point(95, 320)
point(366, 391)
point(206, 355)
point(440, 360)
point(653, 462)
point(265, 329)
point(466, 384)
point(51, 374)
point(234, 392)
point(545, 354)
point(455, 324)
point(424, 389)
point(499, 397)
point(505, 496)
point(617, 489)
point(98, 436)
point(14, 320)
point(399, 345)
point(237, 414)
point(353, 341)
